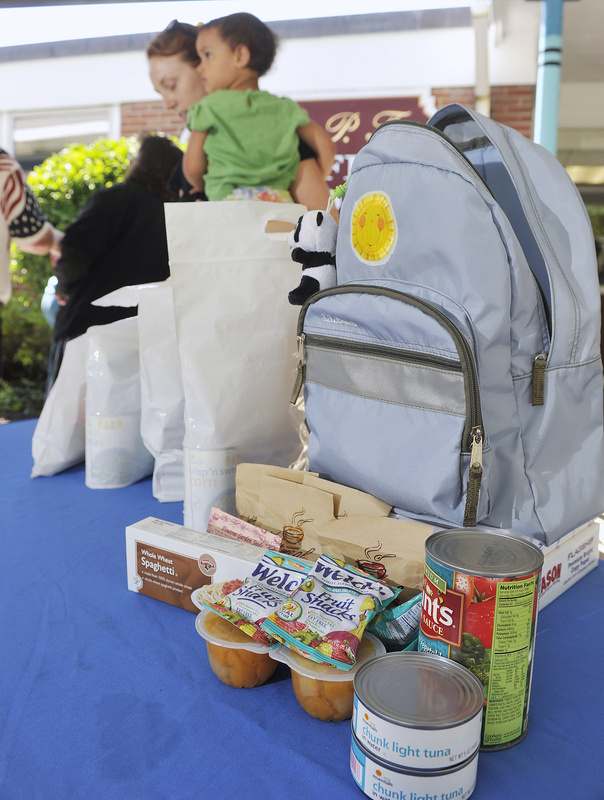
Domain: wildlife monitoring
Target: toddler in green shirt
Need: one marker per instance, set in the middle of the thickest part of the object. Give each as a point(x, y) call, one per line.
point(244, 141)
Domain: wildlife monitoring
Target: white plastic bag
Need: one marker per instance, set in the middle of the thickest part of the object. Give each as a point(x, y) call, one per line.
point(162, 397)
point(59, 437)
point(115, 453)
point(236, 336)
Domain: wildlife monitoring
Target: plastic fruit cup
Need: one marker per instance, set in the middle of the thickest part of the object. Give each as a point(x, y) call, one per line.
point(323, 691)
point(235, 658)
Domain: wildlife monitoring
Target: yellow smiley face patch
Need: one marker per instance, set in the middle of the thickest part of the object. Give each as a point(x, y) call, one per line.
point(373, 228)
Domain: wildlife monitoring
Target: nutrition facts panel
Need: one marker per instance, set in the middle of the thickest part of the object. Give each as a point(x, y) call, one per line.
point(507, 694)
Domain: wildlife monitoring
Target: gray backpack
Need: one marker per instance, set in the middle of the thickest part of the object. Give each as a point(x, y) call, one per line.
point(454, 371)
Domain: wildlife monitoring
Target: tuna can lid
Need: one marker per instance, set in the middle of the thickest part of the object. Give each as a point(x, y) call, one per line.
point(419, 690)
point(485, 553)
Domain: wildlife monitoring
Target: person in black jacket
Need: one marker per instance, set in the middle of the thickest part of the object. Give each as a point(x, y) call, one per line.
point(119, 239)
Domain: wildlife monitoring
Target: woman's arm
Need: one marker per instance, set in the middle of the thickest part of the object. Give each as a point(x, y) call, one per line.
point(27, 224)
point(49, 242)
point(321, 143)
point(195, 163)
point(309, 187)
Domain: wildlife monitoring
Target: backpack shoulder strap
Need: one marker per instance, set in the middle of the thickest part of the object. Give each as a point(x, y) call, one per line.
point(549, 219)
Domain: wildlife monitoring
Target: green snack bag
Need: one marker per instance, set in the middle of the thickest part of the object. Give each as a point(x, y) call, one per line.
point(397, 627)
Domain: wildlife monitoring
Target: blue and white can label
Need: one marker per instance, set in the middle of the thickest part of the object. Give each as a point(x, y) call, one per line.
point(382, 781)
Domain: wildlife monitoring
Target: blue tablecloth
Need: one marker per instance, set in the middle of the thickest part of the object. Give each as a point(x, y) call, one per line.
point(106, 694)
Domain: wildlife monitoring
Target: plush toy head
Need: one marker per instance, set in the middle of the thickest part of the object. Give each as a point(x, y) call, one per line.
point(314, 239)
point(313, 243)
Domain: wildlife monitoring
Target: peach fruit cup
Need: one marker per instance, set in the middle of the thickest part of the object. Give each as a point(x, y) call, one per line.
point(235, 658)
point(323, 691)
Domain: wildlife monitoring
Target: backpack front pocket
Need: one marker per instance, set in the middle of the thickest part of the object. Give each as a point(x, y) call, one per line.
point(392, 402)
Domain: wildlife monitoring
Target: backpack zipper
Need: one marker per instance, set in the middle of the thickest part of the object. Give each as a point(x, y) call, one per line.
point(473, 436)
point(381, 351)
point(538, 383)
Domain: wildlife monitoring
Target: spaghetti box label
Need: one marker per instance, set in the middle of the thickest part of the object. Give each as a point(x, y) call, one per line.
point(168, 562)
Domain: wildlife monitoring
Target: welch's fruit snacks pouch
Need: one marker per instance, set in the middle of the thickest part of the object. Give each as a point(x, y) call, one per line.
point(324, 619)
point(274, 578)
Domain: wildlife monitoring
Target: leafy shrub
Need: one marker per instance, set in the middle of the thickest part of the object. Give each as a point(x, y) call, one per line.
point(596, 215)
point(62, 184)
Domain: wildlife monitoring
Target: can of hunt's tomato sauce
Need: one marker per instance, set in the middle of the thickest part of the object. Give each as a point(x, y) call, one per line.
point(479, 607)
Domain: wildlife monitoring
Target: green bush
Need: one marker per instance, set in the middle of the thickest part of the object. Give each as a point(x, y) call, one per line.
point(596, 215)
point(62, 184)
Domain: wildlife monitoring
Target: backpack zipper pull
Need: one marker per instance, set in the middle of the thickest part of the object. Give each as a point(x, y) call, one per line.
point(301, 370)
point(539, 365)
point(474, 479)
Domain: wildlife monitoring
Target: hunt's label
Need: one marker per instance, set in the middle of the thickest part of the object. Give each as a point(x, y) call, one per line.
point(488, 625)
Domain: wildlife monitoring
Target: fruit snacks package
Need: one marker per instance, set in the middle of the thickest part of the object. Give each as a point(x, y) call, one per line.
point(397, 627)
point(274, 578)
point(324, 619)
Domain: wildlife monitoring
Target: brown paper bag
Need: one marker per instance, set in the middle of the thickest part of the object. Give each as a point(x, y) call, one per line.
point(248, 482)
point(277, 498)
point(317, 516)
point(284, 504)
point(389, 548)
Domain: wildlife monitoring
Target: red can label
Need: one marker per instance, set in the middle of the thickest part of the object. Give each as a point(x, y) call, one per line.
point(442, 611)
point(488, 625)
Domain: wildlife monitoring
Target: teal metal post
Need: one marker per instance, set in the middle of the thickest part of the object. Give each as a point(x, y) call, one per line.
point(547, 97)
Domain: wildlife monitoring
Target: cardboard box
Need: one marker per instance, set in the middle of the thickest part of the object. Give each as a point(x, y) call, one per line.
point(567, 561)
point(168, 561)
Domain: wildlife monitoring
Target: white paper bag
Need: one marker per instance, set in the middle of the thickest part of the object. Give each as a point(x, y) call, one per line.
point(162, 396)
point(59, 437)
point(236, 335)
point(115, 453)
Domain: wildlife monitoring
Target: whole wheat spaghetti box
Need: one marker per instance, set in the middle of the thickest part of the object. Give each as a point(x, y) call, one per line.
point(168, 561)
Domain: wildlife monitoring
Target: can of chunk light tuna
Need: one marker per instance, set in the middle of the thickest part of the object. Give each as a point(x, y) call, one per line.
point(417, 711)
point(383, 781)
point(479, 608)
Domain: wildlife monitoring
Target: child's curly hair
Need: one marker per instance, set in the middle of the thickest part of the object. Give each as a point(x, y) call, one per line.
point(246, 29)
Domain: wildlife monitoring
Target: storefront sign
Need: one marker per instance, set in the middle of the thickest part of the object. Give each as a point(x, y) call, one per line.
point(350, 124)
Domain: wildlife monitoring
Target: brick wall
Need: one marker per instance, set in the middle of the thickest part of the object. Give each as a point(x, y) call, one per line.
point(511, 105)
point(149, 117)
point(514, 106)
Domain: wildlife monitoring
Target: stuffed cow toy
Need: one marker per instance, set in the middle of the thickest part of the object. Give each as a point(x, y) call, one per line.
point(313, 243)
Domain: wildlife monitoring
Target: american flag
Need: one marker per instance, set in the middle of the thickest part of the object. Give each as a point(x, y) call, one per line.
point(17, 203)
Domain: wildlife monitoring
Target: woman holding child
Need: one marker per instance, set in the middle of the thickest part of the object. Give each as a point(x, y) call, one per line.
point(258, 145)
